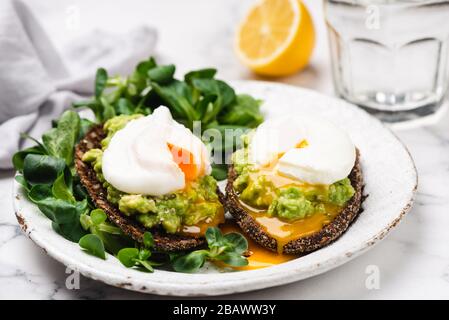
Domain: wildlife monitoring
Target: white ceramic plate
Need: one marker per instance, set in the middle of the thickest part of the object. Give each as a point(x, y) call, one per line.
point(390, 178)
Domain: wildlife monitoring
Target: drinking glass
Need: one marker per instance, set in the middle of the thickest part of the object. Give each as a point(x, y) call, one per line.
point(390, 56)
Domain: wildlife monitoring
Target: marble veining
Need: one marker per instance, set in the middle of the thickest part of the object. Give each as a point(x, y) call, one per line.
point(413, 261)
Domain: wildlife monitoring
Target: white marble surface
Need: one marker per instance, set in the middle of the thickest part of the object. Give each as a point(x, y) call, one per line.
point(414, 259)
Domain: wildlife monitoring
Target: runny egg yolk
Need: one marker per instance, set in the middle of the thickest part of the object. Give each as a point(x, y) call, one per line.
point(285, 231)
point(299, 145)
point(186, 162)
point(258, 257)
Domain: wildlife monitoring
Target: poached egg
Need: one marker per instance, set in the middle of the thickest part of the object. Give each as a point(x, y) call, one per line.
point(311, 150)
point(154, 155)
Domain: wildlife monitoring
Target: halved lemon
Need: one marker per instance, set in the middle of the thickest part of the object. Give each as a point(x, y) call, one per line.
point(276, 38)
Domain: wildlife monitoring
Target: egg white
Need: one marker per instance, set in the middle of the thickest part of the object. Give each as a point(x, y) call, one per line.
point(139, 161)
point(327, 156)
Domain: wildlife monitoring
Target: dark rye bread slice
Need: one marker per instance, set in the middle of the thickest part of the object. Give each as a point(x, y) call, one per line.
point(326, 235)
point(163, 241)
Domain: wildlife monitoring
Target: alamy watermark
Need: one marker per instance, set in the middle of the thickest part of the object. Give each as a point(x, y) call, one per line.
point(372, 281)
point(73, 18)
point(372, 21)
point(223, 141)
point(73, 280)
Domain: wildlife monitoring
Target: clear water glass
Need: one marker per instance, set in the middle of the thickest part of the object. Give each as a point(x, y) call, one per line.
point(390, 56)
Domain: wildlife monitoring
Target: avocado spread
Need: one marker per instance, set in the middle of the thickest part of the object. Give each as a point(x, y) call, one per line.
point(195, 204)
point(290, 201)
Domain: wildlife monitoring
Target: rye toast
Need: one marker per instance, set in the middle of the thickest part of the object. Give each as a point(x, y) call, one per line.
point(163, 241)
point(325, 236)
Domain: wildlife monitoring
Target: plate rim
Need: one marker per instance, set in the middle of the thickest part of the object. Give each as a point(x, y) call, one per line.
point(227, 284)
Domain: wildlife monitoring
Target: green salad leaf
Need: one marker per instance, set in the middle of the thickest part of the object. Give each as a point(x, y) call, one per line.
point(110, 235)
point(128, 256)
point(243, 112)
point(162, 74)
point(139, 257)
point(42, 169)
point(101, 79)
point(228, 249)
point(93, 244)
point(191, 262)
point(208, 73)
point(60, 141)
point(48, 179)
point(18, 159)
point(61, 190)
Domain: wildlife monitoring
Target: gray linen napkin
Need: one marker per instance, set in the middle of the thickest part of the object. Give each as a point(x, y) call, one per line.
point(36, 84)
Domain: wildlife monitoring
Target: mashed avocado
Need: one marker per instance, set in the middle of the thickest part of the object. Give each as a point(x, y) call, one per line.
point(196, 203)
point(291, 202)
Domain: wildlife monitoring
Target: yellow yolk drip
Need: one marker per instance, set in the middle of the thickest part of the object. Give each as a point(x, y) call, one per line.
point(199, 230)
point(284, 231)
point(258, 257)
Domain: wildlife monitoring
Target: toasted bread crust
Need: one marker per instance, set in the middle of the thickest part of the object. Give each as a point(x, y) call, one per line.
point(163, 241)
point(325, 236)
